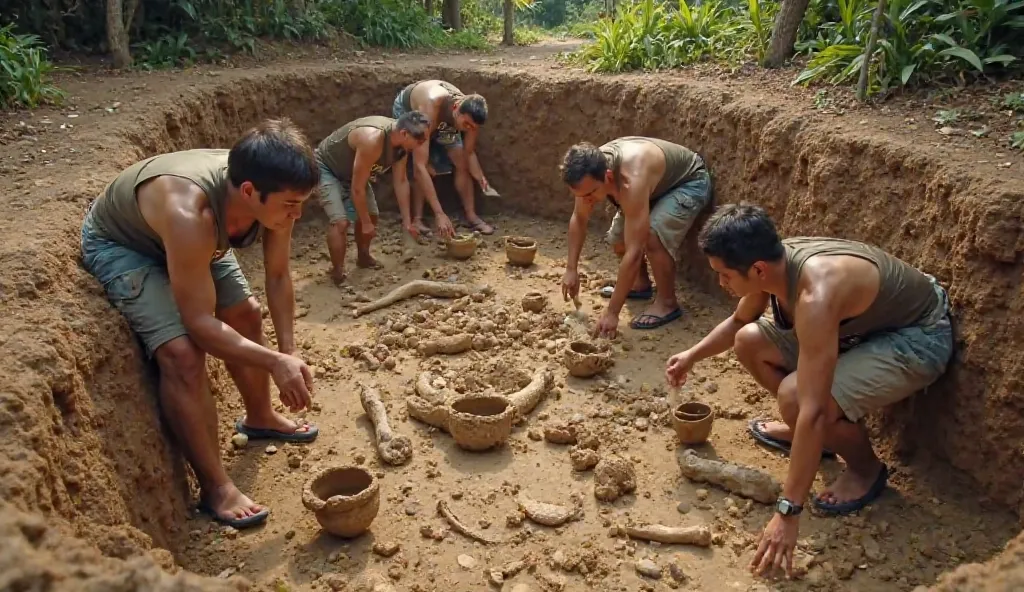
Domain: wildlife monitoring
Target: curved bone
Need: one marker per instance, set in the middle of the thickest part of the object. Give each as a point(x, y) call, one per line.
point(394, 450)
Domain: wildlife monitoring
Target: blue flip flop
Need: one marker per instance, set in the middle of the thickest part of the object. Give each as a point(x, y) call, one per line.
point(660, 321)
point(268, 434)
point(852, 506)
point(236, 523)
point(755, 427)
point(606, 292)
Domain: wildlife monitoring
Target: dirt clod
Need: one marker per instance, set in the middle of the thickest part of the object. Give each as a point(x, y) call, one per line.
point(583, 459)
point(648, 569)
point(613, 477)
point(386, 548)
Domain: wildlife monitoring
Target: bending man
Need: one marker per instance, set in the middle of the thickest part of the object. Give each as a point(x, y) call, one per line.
point(160, 241)
point(659, 188)
point(352, 158)
point(872, 331)
point(455, 120)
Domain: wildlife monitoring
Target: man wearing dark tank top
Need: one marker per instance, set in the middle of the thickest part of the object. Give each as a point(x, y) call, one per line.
point(658, 190)
point(853, 330)
point(160, 240)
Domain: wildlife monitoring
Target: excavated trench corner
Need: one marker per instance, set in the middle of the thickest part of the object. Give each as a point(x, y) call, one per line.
point(85, 455)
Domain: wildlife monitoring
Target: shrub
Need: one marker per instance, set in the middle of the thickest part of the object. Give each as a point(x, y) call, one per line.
point(24, 69)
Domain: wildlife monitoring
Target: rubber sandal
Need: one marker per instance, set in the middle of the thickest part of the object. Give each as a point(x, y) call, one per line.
point(478, 227)
point(606, 292)
point(852, 506)
point(236, 523)
point(268, 434)
point(757, 432)
point(660, 321)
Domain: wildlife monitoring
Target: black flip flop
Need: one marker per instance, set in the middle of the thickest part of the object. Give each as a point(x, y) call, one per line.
point(755, 429)
point(236, 523)
point(852, 506)
point(606, 292)
point(268, 434)
point(639, 325)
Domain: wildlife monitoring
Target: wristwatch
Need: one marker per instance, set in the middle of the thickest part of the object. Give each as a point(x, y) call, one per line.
point(787, 508)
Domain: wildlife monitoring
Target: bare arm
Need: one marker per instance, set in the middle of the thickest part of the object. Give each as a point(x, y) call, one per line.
point(817, 323)
point(369, 144)
point(577, 233)
point(475, 170)
point(280, 291)
point(400, 176)
point(723, 336)
point(635, 206)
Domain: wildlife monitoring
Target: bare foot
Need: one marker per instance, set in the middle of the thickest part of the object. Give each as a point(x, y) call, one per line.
point(777, 430)
point(422, 228)
point(366, 261)
point(851, 485)
point(228, 503)
point(338, 276)
point(278, 423)
point(480, 226)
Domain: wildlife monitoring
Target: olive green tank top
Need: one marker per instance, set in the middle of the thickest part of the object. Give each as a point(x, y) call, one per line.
point(905, 295)
point(447, 120)
point(336, 154)
point(116, 215)
point(681, 163)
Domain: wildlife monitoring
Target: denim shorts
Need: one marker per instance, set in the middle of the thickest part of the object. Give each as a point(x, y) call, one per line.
point(440, 142)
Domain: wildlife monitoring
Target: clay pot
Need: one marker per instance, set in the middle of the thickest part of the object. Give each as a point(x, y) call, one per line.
point(584, 359)
point(520, 250)
point(534, 302)
point(344, 499)
point(461, 246)
point(480, 421)
point(692, 422)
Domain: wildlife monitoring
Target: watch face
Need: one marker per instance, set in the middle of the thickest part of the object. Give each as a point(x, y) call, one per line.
point(785, 507)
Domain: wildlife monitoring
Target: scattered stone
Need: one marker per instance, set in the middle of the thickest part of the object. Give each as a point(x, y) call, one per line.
point(336, 582)
point(583, 459)
point(359, 458)
point(271, 449)
point(702, 494)
point(385, 548)
point(412, 508)
point(677, 573)
point(535, 435)
point(613, 478)
point(239, 440)
point(294, 461)
point(229, 532)
point(711, 387)
point(433, 532)
point(560, 434)
point(641, 424)
point(395, 571)
point(289, 535)
point(683, 507)
point(466, 561)
point(648, 569)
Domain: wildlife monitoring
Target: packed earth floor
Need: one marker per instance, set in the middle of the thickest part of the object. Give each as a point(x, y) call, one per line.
point(930, 520)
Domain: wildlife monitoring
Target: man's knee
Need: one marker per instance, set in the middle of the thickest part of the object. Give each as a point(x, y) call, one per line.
point(789, 404)
point(654, 242)
point(340, 226)
point(183, 363)
point(244, 317)
point(750, 344)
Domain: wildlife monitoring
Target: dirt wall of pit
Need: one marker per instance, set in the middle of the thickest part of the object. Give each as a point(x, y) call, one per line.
point(81, 442)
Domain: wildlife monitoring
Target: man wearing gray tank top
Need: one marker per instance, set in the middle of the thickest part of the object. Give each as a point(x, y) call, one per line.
point(853, 329)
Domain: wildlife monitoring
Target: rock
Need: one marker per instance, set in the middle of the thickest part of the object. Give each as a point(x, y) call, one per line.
point(702, 494)
point(872, 551)
point(676, 573)
point(336, 582)
point(289, 535)
point(683, 507)
point(359, 458)
point(583, 459)
point(466, 562)
point(711, 387)
point(271, 449)
point(294, 461)
point(385, 548)
point(641, 424)
point(560, 434)
point(613, 477)
point(648, 569)
point(412, 508)
point(229, 532)
point(239, 440)
point(535, 435)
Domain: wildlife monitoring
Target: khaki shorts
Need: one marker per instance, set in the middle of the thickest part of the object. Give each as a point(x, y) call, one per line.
point(336, 197)
point(885, 367)
point(672, 215)
point(139, 287)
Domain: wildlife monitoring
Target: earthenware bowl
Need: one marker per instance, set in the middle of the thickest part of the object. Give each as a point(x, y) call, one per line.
point(344, 499)
point(520, 250)
point(480, 421)
point(692, 422)
point(462, 246)
point(585, 360)
point(534, 302)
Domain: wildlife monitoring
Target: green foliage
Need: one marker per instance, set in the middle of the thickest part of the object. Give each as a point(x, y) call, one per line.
point(1017, 140)
point(24, 69)
point(651, 35)
point(1014, 102)
point(920, 42)
point(526, 36)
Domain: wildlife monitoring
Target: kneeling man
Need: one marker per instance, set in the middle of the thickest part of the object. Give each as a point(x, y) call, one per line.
point(658, 189)
point(352, 158)
point(160, 241)
point(853, 330)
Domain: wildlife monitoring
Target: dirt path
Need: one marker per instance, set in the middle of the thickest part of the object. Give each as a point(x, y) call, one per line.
point(921, 527)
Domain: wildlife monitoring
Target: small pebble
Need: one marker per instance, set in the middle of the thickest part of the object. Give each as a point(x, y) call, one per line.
point(239, 440)
point(649, 569)
point(683, 507)
point(466, 561)
point(702, 494)
point(289, 535)
point(271, 449)
point(385, 548)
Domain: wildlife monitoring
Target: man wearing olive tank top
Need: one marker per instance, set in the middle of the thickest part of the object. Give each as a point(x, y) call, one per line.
point(853, 330)
point(160, 241)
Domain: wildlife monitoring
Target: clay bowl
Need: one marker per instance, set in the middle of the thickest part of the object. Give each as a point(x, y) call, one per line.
point(480, 421)
point(520, 250)
point(461, 246)
point(692, 422)
point(584, 359)
point(344, 499)
point(534, 302)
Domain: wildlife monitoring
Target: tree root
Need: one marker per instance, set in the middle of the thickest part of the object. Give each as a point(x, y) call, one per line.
point(699, 536)
point(418, 288)
point(394, 450)
point(741, 480)
point(459, 527)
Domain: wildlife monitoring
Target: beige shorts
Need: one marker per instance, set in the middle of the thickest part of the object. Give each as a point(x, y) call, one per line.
point(336, 197)
point(885, 367)
point(672, 215)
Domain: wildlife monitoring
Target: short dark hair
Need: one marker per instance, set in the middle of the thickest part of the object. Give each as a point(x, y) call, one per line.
point(582, 160)
point(274, 156)
point(476, 107)
point(741, 235)
point(413, 123)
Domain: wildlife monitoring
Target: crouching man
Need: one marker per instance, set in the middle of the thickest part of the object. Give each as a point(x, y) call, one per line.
point(160, 241)
point(658, 189)
point(352, 158)
point(853, 330)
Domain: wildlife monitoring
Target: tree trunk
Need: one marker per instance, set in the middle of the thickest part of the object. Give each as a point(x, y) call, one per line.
point(450, 14)
point(117, 35)
point(862, 84)
point(510, 23)
point(298, 8)
point(428, 5)
point(787, 25)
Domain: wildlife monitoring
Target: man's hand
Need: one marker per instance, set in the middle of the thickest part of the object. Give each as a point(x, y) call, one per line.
point(444, 226)
point(368, 229)
point(606, 325)
point(776, 545)
point(677, 368)
point(570, 284)
point(294, 380)
point(412, 230)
